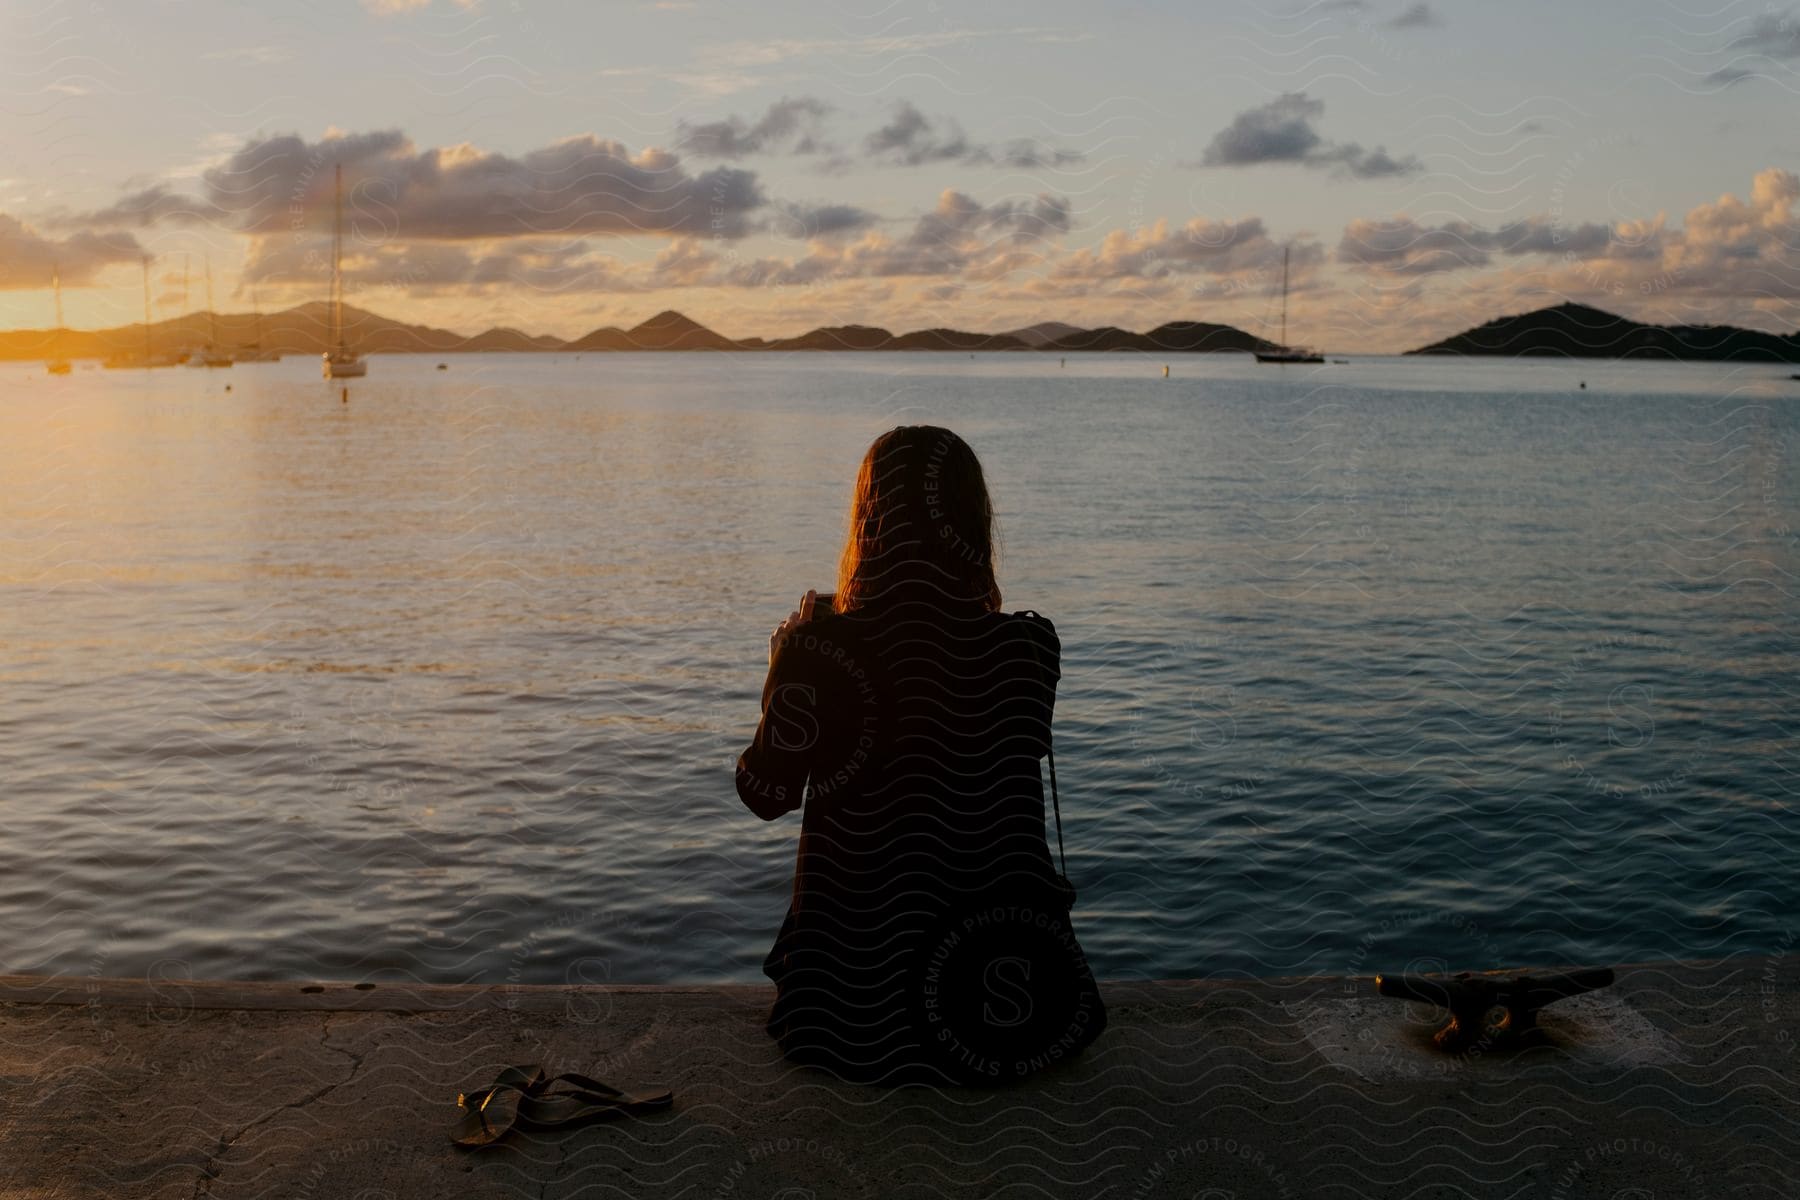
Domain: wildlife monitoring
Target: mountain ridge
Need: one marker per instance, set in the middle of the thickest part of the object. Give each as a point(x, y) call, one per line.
point(1565, 330)
point(1571, 330)
point(305, 329)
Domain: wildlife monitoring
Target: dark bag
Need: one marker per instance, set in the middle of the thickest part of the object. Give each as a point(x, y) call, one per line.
point(1065, 889)
point(1006, 988)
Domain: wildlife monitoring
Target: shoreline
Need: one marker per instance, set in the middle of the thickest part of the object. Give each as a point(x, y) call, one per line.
point(1682, 1076)
point(348, 995)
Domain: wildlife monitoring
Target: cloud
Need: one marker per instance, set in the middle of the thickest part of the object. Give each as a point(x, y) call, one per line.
point(579, 185)
point(1541, 235)
point(960, 236)
point(1772, 36)
point(1735, 260)
point(809, 221)
point(1217, 248)
point(1281, 131)
point(911, 139)
point(427, 268)
point(958, 216)
point(1737, 257)
point(28, 259)
point(393, 191)
point(157, 204)
point(1741, 248)
point(1417, 16)
point(1403, 246)
point(1026, 154)
point(1349, 158)
point(789, 123)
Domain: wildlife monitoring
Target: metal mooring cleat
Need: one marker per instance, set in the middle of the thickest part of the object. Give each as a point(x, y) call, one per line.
point(1490, 1010)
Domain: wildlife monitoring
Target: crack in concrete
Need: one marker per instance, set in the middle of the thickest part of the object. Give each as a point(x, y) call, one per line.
point(209, 1172)
point(555, 1176)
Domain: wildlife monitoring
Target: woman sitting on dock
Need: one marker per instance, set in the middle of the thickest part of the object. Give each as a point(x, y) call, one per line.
point(928, 936)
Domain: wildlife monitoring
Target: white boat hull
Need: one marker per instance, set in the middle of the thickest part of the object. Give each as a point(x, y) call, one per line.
point(345, 368)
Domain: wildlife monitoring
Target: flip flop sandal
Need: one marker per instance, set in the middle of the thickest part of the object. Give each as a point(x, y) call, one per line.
point(586, 1102)
point(521, 1097)
point(489, 1112)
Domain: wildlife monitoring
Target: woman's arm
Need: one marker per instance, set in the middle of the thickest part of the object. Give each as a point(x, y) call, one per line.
point(1046, 655)
point(771, 774)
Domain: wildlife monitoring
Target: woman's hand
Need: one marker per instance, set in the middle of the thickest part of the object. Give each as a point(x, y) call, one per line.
point(797, 618)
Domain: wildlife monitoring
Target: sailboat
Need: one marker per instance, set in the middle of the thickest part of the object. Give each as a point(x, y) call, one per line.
point(148, 358)
point(185, 354)
point(340, 361)
point(58, 365)
point(1287, 353)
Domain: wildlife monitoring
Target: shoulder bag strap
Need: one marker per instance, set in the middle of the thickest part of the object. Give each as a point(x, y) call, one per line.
point(1050, 757)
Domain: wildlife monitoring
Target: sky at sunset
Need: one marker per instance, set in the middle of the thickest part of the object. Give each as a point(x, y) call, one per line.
point(767, 168)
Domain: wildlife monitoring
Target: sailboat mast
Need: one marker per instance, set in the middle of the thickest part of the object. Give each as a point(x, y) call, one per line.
point(1285, 251)
point(56, 286)
point(146, 310)
point(337, 264)
point(212, 318)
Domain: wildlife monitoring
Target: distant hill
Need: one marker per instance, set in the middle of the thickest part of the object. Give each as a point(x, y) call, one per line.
point(306, 330)
point(1578, 331)
point(1044, 331)
point(1567, 330)
point(667, 330)
point(1177, 337)
point(504, 339)
point(302, 330)
point(672, 331)
point(954, 339)
point(834, 337)
point(609, 337)
point(1198, 337)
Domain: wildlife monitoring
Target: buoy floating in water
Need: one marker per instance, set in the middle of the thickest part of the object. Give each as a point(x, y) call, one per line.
point(346, 396)
point(1165, 370)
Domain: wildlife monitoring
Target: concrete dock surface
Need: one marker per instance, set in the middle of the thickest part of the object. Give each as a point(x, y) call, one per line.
point(1682, 1080)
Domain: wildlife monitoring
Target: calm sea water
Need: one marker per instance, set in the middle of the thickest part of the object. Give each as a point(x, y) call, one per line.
point(1390, 663)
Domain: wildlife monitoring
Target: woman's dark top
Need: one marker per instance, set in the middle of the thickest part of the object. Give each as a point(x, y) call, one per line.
point(914, 733)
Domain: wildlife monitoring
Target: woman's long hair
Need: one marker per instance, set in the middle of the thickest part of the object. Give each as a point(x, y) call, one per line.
point(921, 524)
